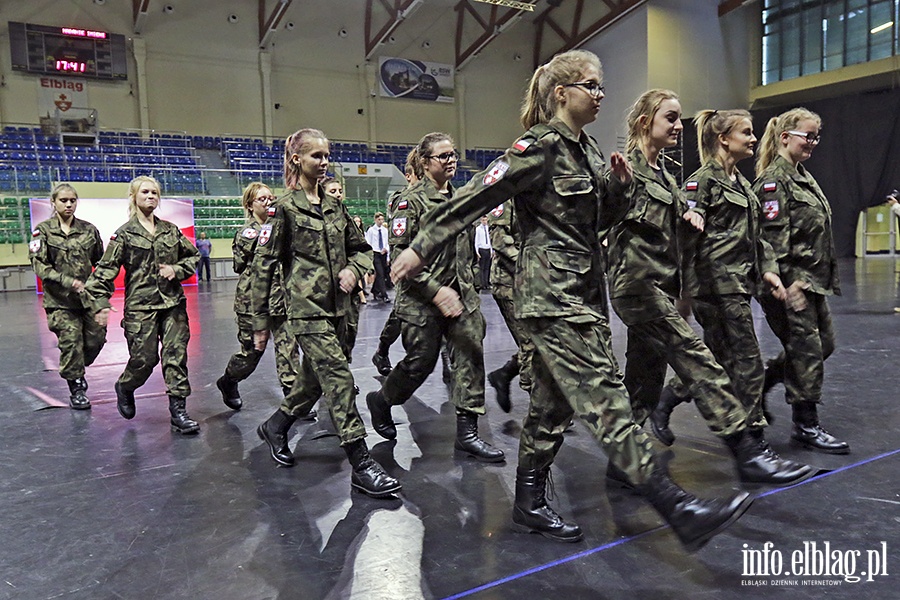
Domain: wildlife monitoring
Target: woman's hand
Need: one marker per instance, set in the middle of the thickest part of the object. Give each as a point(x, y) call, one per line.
point(260, 338)
point(407, 265)
point(448, 302)
point(620, 167)
point(778, 291)
point(167, 272)
point(796, 299)
point(347, 280)
point(102, 317)
point(694, 218)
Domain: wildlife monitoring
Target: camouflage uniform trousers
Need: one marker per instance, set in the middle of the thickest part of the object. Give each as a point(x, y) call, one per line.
point(465, 338)
point(244, 362)
point(657, 336)
point(351, 331)
point(389, 333)
point(145, 331)
point(575, 373)
point(324, 373)
point(728, 331)
point(523, 357)
point(80, 340)
point(808, 339)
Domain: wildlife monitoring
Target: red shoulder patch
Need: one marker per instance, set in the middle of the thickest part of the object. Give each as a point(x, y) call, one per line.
point(691, 186)
point(770, 186)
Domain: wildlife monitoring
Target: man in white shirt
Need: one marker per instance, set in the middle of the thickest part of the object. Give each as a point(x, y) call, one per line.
point(484, 251)
point(377, 236)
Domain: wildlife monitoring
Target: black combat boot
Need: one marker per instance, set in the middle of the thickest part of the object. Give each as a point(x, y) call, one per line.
point(368, 476)
point(181, 421)
point(501, 379)
point(380, 411)
point(311, 416)
point(809, 433)
point(531, 512)
point(757, 464)
point(382, 362)
point(659, 418)
point(467, 439)
point(230, 394)
point(77, 397)
point(693, 520)
point(125, 401)
point(274, 432)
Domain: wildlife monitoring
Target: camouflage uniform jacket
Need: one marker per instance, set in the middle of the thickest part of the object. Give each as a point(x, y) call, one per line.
point(505, 243)
point(451, 267)
point(729, 257)
point(141, 253)
point(311, 248)
point(242, 248)
point(565, 203)
point(59, 259)
point(645, 248)
point(796, 221)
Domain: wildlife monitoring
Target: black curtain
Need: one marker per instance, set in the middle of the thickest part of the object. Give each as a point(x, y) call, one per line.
point(857, 163)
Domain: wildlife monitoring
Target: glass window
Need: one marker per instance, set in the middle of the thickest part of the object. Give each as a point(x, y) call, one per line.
point(801, 37)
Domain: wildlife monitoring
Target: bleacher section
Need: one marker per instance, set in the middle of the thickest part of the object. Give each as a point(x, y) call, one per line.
point(31, 161)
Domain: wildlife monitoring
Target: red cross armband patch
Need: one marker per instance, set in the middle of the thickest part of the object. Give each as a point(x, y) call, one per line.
point(398, 226)
point(770, 209)
point(265, 233)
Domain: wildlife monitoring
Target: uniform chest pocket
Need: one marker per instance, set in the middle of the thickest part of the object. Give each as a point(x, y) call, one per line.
point(166, 248)
point(307, 236)
point(577, 199)
point(736, 198)
point(140, 250)
point(657, 206)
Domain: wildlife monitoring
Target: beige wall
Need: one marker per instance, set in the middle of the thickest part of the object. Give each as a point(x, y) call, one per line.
point(203, 74)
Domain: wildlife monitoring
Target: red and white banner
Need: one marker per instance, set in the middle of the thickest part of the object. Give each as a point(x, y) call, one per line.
point(60, 93)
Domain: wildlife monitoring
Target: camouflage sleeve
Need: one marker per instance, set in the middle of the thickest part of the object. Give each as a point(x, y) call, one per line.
point(359, 252)
point(269, 245)
point(774, 219)
point(241, 250)
point(616, 201)
point(692, 194)
point(520, 168)
point(97, 250)
point(405, 221)
point(102, 282)
point(188, 258)
point(767, 262)
point(39, 253)
point(504, 244)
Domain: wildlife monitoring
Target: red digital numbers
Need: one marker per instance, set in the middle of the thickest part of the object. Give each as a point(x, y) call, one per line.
point(70, 66)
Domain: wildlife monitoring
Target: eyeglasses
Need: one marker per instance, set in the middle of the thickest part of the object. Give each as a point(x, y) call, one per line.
point(811, 138)
point(591, 87)
point(446, 156)
point(264, 199)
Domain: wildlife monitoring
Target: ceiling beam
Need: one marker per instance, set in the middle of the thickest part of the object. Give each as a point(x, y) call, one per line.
point(726, 6)
point(268, 23)
point(140, 9)
point(493, 26)
point(397, 11)
point(576, 33)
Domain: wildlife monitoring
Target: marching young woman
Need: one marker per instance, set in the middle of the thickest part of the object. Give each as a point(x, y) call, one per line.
point(256, 199)
point(156, 257)
point(63, 251)
point(439, 304)
point(646, 276)
point(322, 255)
point(796, 221)
point(564, 196)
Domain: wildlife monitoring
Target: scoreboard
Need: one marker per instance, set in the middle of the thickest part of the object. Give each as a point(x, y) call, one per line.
point(68, 51)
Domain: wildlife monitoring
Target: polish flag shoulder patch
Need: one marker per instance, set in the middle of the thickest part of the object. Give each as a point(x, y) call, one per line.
point(496, 173)
point(522, 144)
point(770, 209)
point(112, 238)
point(497, 212)
point(691, 186)
point(265, 232)
point(249, 233)
point(271, 211)
point(402, 205)
point(36, 233)
point(770, 186)
point(398, 226)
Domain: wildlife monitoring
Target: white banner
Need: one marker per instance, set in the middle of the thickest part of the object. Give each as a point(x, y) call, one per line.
point(61, 93)
point(415, 79)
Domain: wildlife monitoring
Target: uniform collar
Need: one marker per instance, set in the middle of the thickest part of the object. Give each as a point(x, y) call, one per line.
point(798, 173)
point(299, 200)
point(134, 226)
point(560, 126)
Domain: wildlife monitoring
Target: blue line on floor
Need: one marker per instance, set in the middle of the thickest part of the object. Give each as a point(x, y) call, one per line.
point(590, 551)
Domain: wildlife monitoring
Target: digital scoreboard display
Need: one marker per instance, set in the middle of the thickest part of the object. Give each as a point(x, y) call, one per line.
point(68, 51)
